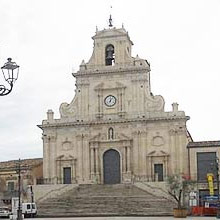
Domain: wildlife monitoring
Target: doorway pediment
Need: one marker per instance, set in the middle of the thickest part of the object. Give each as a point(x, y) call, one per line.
point(160, 153)
point(65, 157)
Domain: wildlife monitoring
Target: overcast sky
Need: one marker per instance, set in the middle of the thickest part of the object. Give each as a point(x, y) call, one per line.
point(50, 38)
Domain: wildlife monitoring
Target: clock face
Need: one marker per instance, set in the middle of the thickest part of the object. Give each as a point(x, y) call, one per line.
point(110, 100)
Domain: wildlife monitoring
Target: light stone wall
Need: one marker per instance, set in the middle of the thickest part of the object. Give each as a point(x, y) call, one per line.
point(144, 134)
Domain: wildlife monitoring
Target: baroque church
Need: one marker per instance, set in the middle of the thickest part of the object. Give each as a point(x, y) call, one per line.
point(114, 130)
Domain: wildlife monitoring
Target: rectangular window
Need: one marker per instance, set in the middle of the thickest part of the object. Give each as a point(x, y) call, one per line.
point(11, 186)
point(206, 163)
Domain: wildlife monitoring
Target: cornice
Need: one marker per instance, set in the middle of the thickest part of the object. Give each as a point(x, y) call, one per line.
point(105, 71)
point(119, 121)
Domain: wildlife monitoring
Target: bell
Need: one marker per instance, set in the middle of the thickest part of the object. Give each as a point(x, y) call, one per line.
point(109, 56)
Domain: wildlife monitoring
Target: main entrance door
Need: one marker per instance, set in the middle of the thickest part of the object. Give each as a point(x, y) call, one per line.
point(111, 163)
point(67, 175)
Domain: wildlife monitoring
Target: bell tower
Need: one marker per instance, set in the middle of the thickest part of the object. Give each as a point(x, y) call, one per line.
point(112, 84)
point(111, 47)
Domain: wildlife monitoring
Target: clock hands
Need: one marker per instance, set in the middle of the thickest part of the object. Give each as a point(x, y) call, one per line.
point(110, 100)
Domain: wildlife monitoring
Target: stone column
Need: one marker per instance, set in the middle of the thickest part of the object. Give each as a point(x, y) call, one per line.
point(124, 160)
point(123, 103)
point(151, 168)
point(129, 159)
point(75, 161)
point(60, 172)
point(173, 145)
point(182, 151)
point(92, 161)
point(166, 167)
point(97, 160)
point(73, 166)
point(46, 156)
point(135, 153)
point(99, 104)
point(143, 144)
point(139, 153)
point(82, 157)
point(86, 157)
point(52, 165)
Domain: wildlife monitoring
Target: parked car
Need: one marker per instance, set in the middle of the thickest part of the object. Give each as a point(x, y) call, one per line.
point(5, 212)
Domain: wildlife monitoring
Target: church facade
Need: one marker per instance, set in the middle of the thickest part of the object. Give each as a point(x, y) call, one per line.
point(114, 130)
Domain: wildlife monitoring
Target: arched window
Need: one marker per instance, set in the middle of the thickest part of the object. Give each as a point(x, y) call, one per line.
point(109, 55)
point(110, 134)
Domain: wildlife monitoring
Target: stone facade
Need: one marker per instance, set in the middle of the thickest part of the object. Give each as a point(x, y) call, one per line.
point(31, 170)
point(114, 123)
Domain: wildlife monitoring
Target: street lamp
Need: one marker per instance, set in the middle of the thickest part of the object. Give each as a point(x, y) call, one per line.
point(19, 211)
point(10, 72)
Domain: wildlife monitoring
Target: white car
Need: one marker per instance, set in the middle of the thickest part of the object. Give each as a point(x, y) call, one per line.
point(5, 212)
point(29, 209)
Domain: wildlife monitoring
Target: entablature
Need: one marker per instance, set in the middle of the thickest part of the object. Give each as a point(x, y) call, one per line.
point(67, 123)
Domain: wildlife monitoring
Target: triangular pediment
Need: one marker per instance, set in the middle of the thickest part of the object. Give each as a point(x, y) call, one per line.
point(160, 153)
point(65, 157)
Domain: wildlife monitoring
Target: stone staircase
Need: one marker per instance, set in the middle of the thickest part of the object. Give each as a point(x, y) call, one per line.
point(105, 200)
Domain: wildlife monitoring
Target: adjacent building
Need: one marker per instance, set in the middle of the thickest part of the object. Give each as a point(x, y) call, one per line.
point(204, 161)
point(30, 171)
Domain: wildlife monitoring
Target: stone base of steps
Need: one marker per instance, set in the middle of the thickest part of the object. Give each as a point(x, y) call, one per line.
point(105, 200)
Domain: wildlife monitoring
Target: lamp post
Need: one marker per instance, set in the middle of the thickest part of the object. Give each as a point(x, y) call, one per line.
point(10, 72)
point(19, 211)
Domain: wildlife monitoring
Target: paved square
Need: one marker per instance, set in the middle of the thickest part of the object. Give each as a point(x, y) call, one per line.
point(127, 218)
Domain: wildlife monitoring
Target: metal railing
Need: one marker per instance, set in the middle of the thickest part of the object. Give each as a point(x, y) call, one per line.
point(148, 178)
point(48, 181)
point(134, 178)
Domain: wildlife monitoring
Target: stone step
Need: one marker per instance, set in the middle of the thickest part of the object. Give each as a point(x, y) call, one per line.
point(102, 200)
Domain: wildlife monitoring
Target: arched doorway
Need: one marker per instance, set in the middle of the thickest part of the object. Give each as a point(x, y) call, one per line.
point(111, 167)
